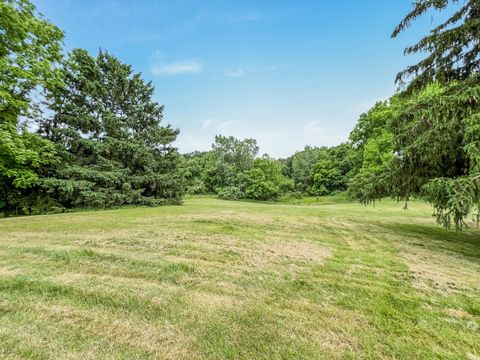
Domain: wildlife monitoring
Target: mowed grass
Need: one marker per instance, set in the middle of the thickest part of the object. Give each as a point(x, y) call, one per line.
point(215, 279)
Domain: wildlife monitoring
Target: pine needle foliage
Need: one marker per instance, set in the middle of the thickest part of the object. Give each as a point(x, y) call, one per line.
point(107, 129)
point(453, 47)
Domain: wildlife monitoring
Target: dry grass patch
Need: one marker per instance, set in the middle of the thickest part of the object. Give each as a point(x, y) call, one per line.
point(292, 250)
point(442, 272)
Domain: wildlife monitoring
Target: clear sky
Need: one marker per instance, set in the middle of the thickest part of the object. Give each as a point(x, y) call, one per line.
point(287, 73)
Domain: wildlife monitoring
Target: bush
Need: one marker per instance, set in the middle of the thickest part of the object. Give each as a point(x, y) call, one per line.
point(230, 193)
point(196, 187)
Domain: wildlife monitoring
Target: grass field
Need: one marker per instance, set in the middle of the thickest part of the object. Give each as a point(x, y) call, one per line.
point(233, 280)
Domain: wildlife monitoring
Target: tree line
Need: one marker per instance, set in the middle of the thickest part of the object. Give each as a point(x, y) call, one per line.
point(79, 130)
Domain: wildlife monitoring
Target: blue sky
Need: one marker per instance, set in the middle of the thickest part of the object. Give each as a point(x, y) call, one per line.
point(288, 73)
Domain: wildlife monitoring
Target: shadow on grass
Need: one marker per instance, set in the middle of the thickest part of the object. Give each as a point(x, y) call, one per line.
point(466, 243)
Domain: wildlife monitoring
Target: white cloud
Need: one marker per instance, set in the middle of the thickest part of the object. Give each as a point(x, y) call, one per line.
point(278, 140)
point(239, 72)
point(235, 72)
point(216, 125)
point(178, 67)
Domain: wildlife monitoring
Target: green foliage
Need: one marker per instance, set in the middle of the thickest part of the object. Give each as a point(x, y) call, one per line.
point(454, 199)
point(22, 155)
point(325, 177)
point(231, 193)
point(195, 172)
point(371, 124)
point(429, 147)
point(265, 180)
point(221, 169)
point(429, 143)
point(452, 47)
point(230, 159)
point(30, 47)
point(29, 52)
point(232, 171)
point(370, 182)
point(107, 130)
point(299, 166)
point(308, 169)
point(437, 140)
point(238, 153)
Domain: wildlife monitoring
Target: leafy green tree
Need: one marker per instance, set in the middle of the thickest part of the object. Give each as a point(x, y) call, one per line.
point(265, 180)
point(299, 167)
point(372, 143)
point(430, 146)
point(107, 129)
point(195, 172)
point(371, 181)
point(302, 168)
point(326, 177)
point(345, 161)
point(230, 159)
point(30, 49)
point(371, 124)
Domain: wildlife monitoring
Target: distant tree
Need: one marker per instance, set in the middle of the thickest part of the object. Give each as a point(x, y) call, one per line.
point(195, 170)
point(372, 143)
point(265, 180)
point(107, 130)
point(371, 181)
point(299, 167)
point(30, 49)
point(346, 162)
point(326, 177)
point(230, 159)
point(304, 168)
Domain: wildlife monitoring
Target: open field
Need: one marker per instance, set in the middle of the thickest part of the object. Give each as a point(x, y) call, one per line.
point(233, 280)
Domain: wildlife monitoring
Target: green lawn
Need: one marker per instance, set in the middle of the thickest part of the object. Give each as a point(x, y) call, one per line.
point(215, 279)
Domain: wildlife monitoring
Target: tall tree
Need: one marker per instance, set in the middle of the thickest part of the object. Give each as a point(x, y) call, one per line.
point(264, 181)
point(230, 159)
point(108, 132)
point(436, 136)
point(30, 49)
point(436, 130)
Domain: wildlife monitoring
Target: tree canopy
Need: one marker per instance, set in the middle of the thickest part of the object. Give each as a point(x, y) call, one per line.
point(30, 51)
point(107, 129)
point(428, 143)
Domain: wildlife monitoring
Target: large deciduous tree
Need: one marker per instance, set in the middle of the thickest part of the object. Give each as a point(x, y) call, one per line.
point(264, 181)
point(30, 49)
point(230, 159)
